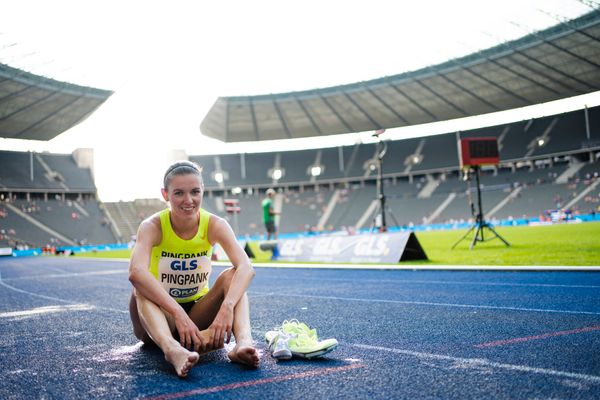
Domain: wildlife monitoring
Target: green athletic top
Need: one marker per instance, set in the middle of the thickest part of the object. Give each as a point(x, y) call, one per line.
point(183, 266)
point(267, 204)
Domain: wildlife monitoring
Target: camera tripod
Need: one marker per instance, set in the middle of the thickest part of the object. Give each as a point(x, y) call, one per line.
point(381, 206)
point(480, 223)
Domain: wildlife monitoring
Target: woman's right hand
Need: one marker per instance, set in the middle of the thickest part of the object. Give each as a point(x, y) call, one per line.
point(189, 334)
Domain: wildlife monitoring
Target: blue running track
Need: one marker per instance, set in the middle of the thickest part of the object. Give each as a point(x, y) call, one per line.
point(404, 334)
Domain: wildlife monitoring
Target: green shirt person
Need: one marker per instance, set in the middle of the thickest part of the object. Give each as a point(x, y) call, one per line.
point(269, 214)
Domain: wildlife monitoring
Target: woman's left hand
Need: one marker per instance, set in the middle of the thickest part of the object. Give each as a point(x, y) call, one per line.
point(222, 326)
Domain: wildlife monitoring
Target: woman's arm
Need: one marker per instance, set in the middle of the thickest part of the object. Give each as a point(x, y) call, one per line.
point(220, 232)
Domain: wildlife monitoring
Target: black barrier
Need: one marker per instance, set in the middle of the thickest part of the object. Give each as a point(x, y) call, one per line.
point(413, 250)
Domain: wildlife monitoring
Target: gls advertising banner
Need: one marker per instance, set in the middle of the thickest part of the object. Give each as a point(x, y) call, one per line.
point(369, 248)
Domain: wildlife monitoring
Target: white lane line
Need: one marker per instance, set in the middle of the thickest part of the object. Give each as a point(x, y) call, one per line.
point(481, 362)
point(41, 296)
point(399, 266)
point(427, 303)
point(408, 281)
point(417, 267)
point(69, 275)
point(2, 283)
point(474, 283)
point(33, 294)
point(47, 310)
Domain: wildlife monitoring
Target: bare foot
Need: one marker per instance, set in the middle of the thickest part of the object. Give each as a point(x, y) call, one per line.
point(182, 359)
point(244, 354)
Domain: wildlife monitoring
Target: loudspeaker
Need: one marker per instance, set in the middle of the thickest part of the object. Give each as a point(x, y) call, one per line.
point(478, 151)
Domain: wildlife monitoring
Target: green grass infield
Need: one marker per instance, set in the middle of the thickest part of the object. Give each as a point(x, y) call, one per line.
point(560, 244)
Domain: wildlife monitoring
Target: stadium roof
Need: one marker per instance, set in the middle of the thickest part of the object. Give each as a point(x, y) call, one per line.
point(559, 62)
point(39, 108)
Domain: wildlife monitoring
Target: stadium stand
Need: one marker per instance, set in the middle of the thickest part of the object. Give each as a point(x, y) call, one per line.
point(23, 171)
point(232, 165)
point(342, 199)
point(302, 209)
point(50, 200)
point(127, 215)
point(39, 220)
point(19, 233)
point(296, 165)
point(554, 63)
point(333, 160)
point(422, 178)
point(437, 152)
point(257, 168)
point(65, 170)
point(360, 160)
point(81, 223)
point(546, 162)
point(353, 205)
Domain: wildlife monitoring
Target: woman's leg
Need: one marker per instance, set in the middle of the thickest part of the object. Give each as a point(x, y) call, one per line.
point(205, 310)
point(138, 329)
point(151, 325)
point(244, 351)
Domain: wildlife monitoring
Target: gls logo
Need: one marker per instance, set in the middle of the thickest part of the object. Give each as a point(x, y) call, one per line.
point(182, 265)
point(182, 293)
point(370, 246)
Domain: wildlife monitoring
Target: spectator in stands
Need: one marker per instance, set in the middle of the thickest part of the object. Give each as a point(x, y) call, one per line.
point(269, 214)
point(171, 304)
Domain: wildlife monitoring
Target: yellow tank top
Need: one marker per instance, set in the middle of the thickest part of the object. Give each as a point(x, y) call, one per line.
point(181, 266)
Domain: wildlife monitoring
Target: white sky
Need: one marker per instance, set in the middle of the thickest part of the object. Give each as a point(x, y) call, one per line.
point(168, 61)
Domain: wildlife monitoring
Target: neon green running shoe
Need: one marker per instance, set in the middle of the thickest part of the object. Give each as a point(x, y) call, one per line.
point(299, 339)
point(295, 327)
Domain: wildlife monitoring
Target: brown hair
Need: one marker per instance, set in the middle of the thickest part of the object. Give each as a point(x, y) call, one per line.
point(182, 167)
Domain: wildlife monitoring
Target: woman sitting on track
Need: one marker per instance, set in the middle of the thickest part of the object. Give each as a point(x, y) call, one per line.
point(169, 269)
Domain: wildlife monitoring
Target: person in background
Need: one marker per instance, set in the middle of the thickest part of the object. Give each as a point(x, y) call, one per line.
point(269, 214)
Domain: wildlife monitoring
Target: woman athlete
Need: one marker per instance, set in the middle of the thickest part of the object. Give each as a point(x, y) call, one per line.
point(171, 304)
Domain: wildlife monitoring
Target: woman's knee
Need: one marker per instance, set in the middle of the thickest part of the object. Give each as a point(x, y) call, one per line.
point(144, 305)
point(224, 279)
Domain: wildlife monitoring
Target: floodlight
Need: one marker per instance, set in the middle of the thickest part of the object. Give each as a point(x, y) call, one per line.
point(277, 174)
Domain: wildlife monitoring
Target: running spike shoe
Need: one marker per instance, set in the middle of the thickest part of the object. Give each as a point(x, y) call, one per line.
point(300, 339)
point(278, 345)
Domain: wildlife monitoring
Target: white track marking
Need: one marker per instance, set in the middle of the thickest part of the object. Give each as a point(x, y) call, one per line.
point(408, 281)
point(47, 310)
point(481, 362)
point(427, 303)
point(2, 283)
point(402, 266)
point(474, 283)
point(399, 266)
point(69, 275)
